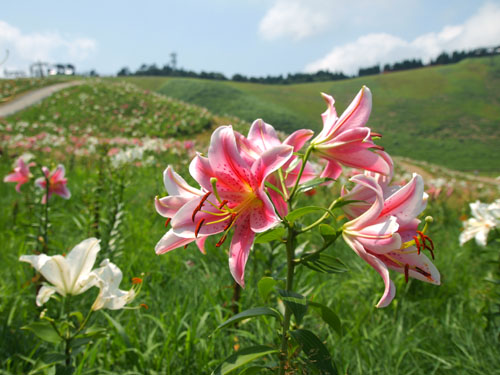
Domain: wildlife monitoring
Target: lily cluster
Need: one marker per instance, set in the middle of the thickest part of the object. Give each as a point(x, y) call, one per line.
point(73, 275)
point(486, 216)
point(52, 182)
point(247, 184)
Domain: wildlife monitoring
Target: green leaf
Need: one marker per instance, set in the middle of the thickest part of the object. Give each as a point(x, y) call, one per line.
point(242, 357)
point(296, 302)
point(328, 232)
point(78, 315)
point(299, 212)
point(328, 316)
point(266, 285)
point(271, 235)
point(251, 313)
point(91, 334)
point(323, 263)
point(255, 370)
point(53, 357)
point(45, 331)
point(313, 183)
point(342, 203)
point(119, 328)
point(315, 350)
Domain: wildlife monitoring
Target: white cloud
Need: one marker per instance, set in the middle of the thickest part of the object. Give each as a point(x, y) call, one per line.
point(51, 47)
point(297, 19)
point(481, 30)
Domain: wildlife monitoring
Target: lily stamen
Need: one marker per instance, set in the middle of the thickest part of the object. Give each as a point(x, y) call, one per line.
point(221, 241)
point(421, 271)
point(167, 222)
point(407, 271)
point(198, 227)
point(200, 205)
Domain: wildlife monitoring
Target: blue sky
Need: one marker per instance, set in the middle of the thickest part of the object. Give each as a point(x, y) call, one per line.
point(252, 37)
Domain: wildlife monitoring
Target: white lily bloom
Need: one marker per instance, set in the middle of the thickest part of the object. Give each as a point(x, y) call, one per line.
point(485, 217)
point(68, 275)
point(108, 278)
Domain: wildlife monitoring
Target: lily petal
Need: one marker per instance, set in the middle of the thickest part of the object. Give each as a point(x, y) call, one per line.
point(80, 261)
point(170, 241)
point(240, 248)
point(176, 185)
point(380, 267)
point(44, 294)
point(263, 135)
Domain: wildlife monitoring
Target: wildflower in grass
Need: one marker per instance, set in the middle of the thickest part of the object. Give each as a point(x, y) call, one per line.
point(485, 217)
point(386, 236)
point(57, 183)
point(67, 275)
point(21, 173)
point(345, 140)
point(108, 278)
point(235, 197)
point(180, 193)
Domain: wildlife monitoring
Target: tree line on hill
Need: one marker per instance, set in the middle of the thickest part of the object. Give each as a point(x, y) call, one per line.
point(320, 76)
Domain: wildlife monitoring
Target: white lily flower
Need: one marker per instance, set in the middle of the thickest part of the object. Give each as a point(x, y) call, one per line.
point(68, 275)
point(485, 217)
point(108, 278)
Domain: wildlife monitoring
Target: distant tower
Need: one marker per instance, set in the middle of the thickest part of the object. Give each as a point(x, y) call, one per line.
point(173, 61)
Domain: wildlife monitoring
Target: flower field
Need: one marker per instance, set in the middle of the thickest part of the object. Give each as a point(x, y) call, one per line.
point(168, 314)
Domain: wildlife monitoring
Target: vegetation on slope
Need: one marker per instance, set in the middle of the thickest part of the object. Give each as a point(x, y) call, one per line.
point(445, 114)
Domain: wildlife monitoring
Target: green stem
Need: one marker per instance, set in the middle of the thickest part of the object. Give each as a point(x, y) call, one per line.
point(319, 251)
point(322, 218)
point(290, 255)
point(304, 161)
point(46, 216)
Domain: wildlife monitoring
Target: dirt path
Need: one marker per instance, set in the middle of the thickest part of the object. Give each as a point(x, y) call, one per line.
point(32, 97)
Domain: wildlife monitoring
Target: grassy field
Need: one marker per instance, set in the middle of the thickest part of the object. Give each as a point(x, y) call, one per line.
point(10, 88)
point(426, 330)
point(448, 115)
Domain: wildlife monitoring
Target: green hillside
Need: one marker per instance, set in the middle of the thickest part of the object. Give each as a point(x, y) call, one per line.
point(448, 115)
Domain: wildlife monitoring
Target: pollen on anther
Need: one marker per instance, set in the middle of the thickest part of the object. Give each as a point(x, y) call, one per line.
point(407, 269)
point(200, 205)
point(167, 222)
point(222, 204)
point(418, 244)
point(421, 271)
point(221, 241)
point(198, 227)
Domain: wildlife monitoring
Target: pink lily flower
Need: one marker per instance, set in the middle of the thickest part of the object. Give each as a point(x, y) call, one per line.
point(180, 193)
point(385, 234)
point(57, 183)
point(263, 137)
point(236, 197)
point(345, 140)
point(21, 174)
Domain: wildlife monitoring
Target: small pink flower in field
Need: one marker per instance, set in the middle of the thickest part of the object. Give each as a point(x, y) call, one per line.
point(46, 149)
point(235, 198)
point(57, 183)
point(386, 234)
point(21, 174)
point(113, 151)
point(345, 140)
point(188, 145)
